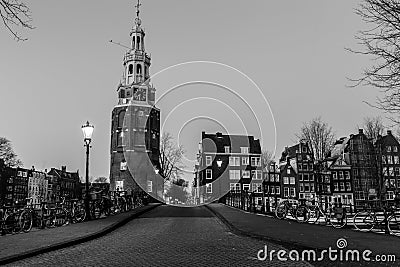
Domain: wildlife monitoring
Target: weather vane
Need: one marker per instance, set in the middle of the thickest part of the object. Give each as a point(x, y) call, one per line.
point(137, 6)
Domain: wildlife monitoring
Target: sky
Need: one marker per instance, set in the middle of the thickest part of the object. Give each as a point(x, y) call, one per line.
point(276, 65)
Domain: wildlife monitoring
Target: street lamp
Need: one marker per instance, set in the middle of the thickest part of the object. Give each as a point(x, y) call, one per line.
point(87, 130)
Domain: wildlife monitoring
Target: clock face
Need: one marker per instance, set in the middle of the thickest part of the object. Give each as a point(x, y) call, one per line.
point(139, 94)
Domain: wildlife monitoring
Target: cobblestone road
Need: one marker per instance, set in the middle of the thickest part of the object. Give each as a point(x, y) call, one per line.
point(165, 236)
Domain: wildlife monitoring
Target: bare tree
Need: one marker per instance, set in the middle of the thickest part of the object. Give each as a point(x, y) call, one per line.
point(171, 156)
point(15, 14)
point(319, 136)
point(7, 153)
point(372, 126)
point(380, 42)
point(266, 158)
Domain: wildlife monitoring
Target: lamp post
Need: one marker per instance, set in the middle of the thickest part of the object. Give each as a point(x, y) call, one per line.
point(87, 130)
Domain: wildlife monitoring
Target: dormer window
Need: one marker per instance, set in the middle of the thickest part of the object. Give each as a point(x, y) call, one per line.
point(244, 150)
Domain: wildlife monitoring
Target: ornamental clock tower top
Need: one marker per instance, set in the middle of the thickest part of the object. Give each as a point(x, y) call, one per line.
point(135, 87)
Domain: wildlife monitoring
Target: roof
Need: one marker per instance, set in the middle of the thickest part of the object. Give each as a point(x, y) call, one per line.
point(217, 142)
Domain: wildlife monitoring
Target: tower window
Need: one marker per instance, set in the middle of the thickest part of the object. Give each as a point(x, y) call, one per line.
point(121, 116)
point(138, 43)
point(138, 69)
point(130, 69)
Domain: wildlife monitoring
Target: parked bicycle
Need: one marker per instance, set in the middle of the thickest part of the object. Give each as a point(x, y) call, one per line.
point(386, 218)
point(286, 208)
point(42, 218)
point(334, 215)
point(9, 221)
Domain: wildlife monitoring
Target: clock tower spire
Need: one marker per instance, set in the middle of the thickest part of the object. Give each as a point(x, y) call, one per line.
point(135, 126)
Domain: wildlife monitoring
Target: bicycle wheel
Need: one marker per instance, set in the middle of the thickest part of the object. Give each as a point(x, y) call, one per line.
point(281, 211)
point(302, 214)
point(26, 221)
point(364, 221)
point(394, 224)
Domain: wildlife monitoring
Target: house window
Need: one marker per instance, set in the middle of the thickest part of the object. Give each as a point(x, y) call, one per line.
point(286, 180)
point(292, 180)
point(306, 187)
point(276, 177)
point(305, 167)
point(255, 161)
point(149, 186)
point(342, 187)
point(245, 161)
point(355, 172)
point(232, 187)
point(246, 174)
point(348, 186)
point(256, 174)
point(227, 149)
point(208, 160)
point(234, 174)
point(311, 177)
point(396, 160)
point(246, 187)
point(391, 172)
point(394, 148)
point(257, 188)
point(234, 161)
point(397, 171)
point(277, 190)
point(209, 188)
point(123, 166)
point(341, 175)
point(336, 186)
point(301, 187)
point(383, 159)
point(292, 192)
point(244, 150)
point(390, 160)
point(288, 171)
point(208, 174)
point(334, 175)
point(286, 191)
point(301, 177)
point(312, 189)
point(390, 195)
point(272, 190)
point(388, 148)
point(305, 177)
point(346, 175)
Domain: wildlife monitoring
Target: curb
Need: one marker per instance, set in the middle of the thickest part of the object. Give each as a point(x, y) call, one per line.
point(79, 240)
point(279, 242)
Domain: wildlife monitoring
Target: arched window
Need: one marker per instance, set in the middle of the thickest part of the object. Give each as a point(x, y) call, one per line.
point(138, 69)
point(130, 69)
point(138, 43)
point(133, 41)
point(121, 116)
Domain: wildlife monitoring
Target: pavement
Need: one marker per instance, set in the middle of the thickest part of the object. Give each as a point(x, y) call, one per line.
point(165, 236)
point(24, 245)
point(294, 235)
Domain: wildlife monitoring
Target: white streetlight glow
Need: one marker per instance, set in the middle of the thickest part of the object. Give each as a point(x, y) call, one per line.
point(87, 130)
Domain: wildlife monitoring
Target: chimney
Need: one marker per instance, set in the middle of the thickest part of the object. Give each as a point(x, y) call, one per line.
point(219, 134)
point(360, 131)
point(64, 168)
point(33, 168)
point(389, 132)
